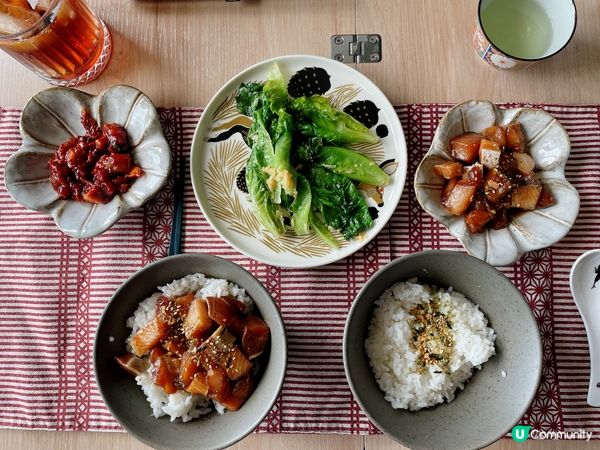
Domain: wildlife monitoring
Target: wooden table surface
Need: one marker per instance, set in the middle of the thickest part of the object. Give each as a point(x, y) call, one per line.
point(181, 52)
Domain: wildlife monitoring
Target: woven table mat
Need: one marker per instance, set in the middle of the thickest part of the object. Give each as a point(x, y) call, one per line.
point(54, 289)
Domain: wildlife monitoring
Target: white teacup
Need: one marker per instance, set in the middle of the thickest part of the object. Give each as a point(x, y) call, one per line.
point(513, 34)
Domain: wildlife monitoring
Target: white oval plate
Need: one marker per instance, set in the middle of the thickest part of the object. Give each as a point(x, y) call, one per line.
point(219, 153)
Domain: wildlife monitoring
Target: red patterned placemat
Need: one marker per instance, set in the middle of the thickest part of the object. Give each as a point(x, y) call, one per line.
point(54, 289)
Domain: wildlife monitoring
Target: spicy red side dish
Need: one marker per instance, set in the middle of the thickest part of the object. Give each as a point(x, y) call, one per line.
point(205, 347)
point(500, 178)
point(96, 166)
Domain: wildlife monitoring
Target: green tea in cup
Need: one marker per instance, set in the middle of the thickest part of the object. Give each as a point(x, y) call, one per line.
point(516, 33)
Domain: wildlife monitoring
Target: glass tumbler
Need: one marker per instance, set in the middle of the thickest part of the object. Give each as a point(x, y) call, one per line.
point(62, 41)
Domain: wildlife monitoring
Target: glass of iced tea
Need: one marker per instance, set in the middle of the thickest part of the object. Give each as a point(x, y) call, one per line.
point(63, 41)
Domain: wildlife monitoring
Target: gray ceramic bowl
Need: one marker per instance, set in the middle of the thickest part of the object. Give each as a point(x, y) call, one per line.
point(124, 397)
point(491, 404)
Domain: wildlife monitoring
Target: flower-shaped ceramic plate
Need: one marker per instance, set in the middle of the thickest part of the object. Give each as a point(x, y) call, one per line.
point(219, 153)
point(53, 116)
point(547, 143)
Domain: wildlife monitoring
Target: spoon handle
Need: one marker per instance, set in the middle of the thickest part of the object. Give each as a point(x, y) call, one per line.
point(583, 279)
point(594, 343)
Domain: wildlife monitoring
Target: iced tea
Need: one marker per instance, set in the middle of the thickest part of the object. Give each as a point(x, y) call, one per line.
point(63, 41)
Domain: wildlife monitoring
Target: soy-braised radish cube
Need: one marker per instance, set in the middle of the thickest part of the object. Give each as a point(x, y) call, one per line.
point(480, 203)
point(487, 143)
point(218, 384)
point(524, 163)
point(175, 345)
point(507, 163)
point(156, 353)
point(460, 197)
point(447, 189)
point(531, 179)
point(197, 322)
point(173, 310)
point(149, 336)
point(164, 373)
point(162, 308)
point(525, 197)
point(182, 305)
point(255, 337)
point(189, 366)
point(496, 133)
point(132, 364)
point(515, 138)
point(545, 199)
point(238, 395)
point(503, 203)
point(489, 154)
point(476, 220)
point(220, 352)
point(496, 185)
point(198, 385)
point(237, 365)
point(235, 304)
point(474, 174)
point(466, 147)
point(500, 220)
point(225, 314)
point(449, 169)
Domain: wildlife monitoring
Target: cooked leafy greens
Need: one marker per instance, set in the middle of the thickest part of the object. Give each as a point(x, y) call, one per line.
point(248, 97)
point(320, 119)
point(351, 164)
point(301, 207)
point(307, 149)
point(337, 199)
point(296, 168)
point(267, 212)
point(270, 136)
point(322, 231)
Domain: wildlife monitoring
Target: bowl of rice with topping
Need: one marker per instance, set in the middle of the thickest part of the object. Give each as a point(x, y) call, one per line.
point(190, 353)
point(442, 351)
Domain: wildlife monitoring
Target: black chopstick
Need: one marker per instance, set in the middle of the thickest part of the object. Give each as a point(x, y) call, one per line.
point(178, 185)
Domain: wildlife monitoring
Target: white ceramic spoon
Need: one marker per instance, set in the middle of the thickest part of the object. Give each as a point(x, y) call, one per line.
point(585, 287)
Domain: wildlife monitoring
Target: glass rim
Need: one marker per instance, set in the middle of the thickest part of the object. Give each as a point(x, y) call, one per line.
point(517, 58)
point(35, 28)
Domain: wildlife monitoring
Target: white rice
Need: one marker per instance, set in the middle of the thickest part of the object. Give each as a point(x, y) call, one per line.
point(394, 358)
point(180, 404)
